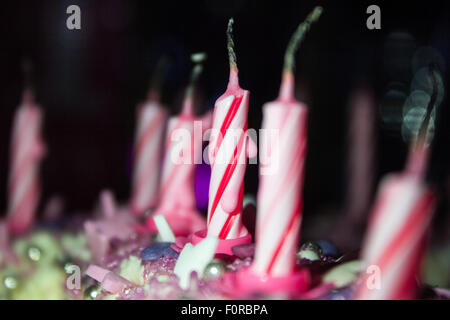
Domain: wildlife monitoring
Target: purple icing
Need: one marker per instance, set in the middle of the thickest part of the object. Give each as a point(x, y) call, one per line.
point(158, 250)
point(243, 251)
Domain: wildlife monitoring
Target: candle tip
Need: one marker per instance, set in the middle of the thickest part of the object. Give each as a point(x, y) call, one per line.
point(287, 82)
point(315, 14)
point(197, 58)
point(27, 70)
point(423, 134)
point(230, 45)
point(157, 78)
point(298, 36)
point(418, 156)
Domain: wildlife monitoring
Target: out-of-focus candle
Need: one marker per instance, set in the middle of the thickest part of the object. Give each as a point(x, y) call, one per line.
point(151, 117)
point(182, 151)
point(229, 148)
point(361, 149)
point(282, 153)
point(396, 238)
point(27, 150)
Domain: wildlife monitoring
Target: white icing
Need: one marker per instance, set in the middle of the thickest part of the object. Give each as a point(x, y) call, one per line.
point(194, 258)
point(165, 233)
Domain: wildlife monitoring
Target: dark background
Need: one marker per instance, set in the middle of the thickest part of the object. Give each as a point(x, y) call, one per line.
point(89, 81)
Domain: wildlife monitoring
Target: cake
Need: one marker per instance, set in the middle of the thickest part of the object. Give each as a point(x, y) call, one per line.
point(161, 246)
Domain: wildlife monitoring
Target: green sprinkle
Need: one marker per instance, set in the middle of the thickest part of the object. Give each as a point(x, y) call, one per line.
point(162, 278)
point(308, 254)
point(343, 274)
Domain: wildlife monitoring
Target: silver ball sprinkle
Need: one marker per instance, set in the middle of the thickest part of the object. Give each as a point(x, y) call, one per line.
point(34, 254)
point(215, 269)
point(67, 267)
point(10, 282)
point(91, 292)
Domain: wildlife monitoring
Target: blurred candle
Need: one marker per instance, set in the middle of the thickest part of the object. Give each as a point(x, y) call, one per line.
point(229, 148)
point(151, 125)
point(395, 241)
point(27, 150)
point(283, 149)
point(361, 145)
point(398, 228)
point(182, 151)
point(151, 117)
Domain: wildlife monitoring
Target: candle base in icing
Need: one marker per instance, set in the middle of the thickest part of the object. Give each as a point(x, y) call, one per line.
point(245, 281)
point(224, 246)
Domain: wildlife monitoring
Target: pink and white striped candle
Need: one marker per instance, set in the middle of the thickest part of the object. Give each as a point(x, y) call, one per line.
point(397, 234)
point(27, 150)
point(361, 154)
point(183, 149)
point(229, 148)
point(151, 117)
point(177, 197)
point(398, 228)
point(282, 153)
point(279, 201)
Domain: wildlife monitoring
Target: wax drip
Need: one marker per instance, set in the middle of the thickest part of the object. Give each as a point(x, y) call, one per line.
point(197, 58)
point(156, 81)
point(287, 89)
point(27, 70)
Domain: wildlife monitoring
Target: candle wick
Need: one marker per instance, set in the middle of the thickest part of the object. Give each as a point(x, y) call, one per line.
point(157, 79)
point(197, 58)
point(27, 70)
point(424, 130)
point(419, 148)
point(230, 46)
point(297, 38)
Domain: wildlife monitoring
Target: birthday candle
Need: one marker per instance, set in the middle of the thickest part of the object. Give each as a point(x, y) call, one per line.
point(229, 148)
point(361, 154)
point(151, 118)
point(27, 150)
point(283, 149)
point(182, 151)
point(396, 237)
point(397, 232)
